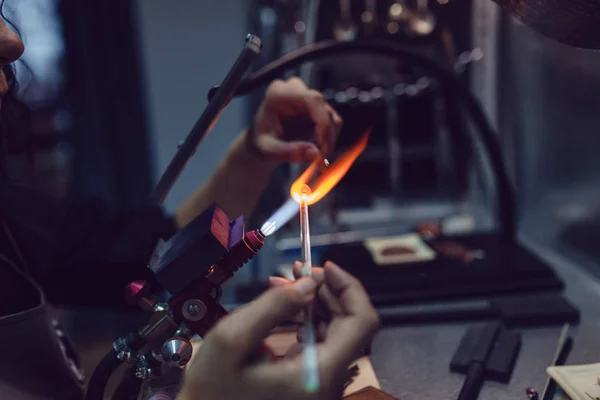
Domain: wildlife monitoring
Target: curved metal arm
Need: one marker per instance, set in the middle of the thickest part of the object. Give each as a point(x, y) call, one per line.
point(506, 208)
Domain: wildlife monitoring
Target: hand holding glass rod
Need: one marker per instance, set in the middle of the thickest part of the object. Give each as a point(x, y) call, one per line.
point(310, 368)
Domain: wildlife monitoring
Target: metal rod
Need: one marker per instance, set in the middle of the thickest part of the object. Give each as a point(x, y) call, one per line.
point(219, 100)
point(310, 367)
point(394, 145)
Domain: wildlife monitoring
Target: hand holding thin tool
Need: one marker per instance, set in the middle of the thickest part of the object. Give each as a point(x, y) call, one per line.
point(302, 193)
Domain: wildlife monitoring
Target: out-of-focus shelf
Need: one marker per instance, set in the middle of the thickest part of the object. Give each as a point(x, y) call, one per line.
point(376, 95)
point(381, 220)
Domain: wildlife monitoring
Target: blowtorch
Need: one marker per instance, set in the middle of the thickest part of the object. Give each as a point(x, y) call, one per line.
point(188, 270)
point(183, 300)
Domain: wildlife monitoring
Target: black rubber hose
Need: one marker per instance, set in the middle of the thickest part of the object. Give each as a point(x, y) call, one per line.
point(101, 376)
point(507, 215)
point(129, 388)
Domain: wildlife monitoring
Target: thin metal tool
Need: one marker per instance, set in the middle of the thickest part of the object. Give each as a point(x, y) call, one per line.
point(311, 371)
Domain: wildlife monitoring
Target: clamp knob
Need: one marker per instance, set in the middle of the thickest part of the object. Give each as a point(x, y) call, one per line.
point(176, 352)
point(140, 293)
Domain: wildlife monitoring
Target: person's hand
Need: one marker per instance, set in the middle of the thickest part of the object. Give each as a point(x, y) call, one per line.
point(289, 118)
point(227, 367)
point(325, 307)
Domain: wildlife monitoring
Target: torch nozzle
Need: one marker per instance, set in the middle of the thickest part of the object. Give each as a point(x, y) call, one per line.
point(243, 250)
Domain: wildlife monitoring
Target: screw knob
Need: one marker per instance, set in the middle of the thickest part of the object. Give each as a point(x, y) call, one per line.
point(176, 352)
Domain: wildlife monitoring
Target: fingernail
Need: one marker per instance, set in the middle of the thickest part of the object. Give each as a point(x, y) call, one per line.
point(298, 264)
point(277, 281)
point(306, 286)
point(311, 153)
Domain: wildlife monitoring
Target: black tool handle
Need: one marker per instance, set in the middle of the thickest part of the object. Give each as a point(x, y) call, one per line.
point(211, 113)
point(473, 382)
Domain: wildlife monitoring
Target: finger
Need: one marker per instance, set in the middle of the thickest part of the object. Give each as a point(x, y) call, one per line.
point(322, 315)
point(317, 273)
point(337, 126)
point(283, 151)
point(338, 122)
point(239, 334)
point(326, 304)
point(298, 270)
point(286, 96)
point(330, 304)
point(275, 281)
point(297, 82)
point(321, 333)
point(329, 139)
point(358, 316)
point(291, 96)
point(294, 351)
point(347, 290)
point(319, 113)
point(278, 380)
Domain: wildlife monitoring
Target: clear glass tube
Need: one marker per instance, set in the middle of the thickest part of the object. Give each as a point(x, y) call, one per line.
point(310, 367)
point(305, 238)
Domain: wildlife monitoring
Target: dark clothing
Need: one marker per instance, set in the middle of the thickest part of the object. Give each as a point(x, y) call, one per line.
point(80, 253)
point(74, 254)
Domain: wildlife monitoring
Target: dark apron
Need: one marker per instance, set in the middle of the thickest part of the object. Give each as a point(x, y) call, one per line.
point(37, 360)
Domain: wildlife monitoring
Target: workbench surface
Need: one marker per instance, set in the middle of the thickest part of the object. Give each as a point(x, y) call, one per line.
point(412, 362)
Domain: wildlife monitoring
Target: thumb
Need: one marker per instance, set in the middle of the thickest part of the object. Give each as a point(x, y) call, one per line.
point(284, 151)
point(239, 334)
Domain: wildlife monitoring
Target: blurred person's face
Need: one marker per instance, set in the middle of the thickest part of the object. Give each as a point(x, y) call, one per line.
point(11, 48)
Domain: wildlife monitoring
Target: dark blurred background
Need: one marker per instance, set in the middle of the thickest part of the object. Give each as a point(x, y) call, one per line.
point(115, 86)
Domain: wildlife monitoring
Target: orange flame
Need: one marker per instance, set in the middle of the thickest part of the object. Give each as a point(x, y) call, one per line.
point(301, 190)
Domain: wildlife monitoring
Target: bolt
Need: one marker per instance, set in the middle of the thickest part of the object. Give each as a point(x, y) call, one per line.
point(127, 356)
point(193, 309)
point(141, 373)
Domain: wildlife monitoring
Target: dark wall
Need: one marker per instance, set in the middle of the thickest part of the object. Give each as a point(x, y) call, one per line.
point(188, 46)
point(110, 143)
point(549, 111)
